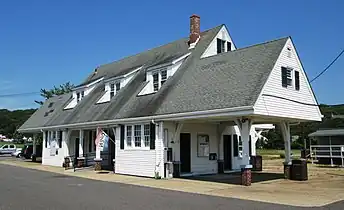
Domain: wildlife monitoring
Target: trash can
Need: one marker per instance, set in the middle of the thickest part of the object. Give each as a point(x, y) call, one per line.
point(257, 163)
point(299, 170)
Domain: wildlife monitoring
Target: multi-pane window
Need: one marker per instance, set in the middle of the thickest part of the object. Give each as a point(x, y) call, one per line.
point(137, 135)
point(146, 133)
point(129, 133)
point(287, 76)
point(77, 96)
point(156, 81)
point(82, 94)
point(163, 76)
point(118, 86)
point(221, 45)
point(240, 146)
point(112, 90)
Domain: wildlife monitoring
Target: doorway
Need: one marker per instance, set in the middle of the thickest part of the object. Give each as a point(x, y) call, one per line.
point(185, 153)
point(227, 152)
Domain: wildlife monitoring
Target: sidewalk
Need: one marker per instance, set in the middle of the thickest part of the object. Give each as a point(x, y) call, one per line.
point(315, 192)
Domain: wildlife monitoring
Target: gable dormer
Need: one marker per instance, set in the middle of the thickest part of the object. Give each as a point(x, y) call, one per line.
point(220, 44)
point(157, 75)
point(113, 85)
point(80, 92)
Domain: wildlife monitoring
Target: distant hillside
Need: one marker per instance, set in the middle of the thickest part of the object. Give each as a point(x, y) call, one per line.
point(11, 120)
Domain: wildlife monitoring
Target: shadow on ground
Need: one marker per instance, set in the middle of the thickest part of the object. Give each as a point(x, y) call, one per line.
point(235, 178)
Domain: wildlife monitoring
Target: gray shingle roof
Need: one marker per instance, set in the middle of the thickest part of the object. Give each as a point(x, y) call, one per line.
point(231, 79)
point(51, 108)
point(329, 132)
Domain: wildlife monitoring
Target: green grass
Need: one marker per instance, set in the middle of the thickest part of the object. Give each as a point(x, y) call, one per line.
point(272, 152)
point(18, 145)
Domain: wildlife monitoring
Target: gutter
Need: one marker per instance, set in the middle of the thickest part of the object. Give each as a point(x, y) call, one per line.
point(226, 112)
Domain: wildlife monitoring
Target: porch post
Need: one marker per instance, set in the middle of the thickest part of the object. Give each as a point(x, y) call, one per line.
point(98, 160)
point(65, 139)
point(81, 158)
point(176, 156)
point(34, 144)
point(245, 128)
point(285, 128)
point(159, 150)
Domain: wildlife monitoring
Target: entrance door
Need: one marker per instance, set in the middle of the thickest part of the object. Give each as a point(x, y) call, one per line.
point(227, 152)
point(185, 153)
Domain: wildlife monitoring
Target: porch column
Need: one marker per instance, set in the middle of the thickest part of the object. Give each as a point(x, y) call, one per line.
point(81, 158)
point(159, 149)
point(98, 160)
point(176, 155)
point(34, 144)
point(245, 128)
point(65, 139)
point(285, 128)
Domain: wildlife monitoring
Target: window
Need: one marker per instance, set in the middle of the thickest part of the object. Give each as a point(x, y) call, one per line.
point(146, 133)
point(129, 133)
point(287, 77)
point(220, 45)
point(156, 81)
point(163, 76)
point(137, 135)
point(12, 146)
point(240, 146)
point(297, 80)
point(82, 94)
point(54, 136)
point(77, 97)
point(229, 46)
point(112, 90)
point(5, 147)
point(118, 86)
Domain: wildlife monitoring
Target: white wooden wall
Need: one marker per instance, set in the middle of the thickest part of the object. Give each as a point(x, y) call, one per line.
point(272, 106)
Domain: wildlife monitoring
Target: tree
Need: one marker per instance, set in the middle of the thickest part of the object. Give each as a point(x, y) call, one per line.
point(55, 91)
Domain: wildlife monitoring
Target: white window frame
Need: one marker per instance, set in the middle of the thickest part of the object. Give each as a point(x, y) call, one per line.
point(144, 137)
point(115, 86)
point(240, 146)
point(160, 81)
point(78, 97)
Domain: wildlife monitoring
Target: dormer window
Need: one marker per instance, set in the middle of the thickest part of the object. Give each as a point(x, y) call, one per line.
point(159, 78)
point(79, 96)
point(223, 46)
point(114, 88)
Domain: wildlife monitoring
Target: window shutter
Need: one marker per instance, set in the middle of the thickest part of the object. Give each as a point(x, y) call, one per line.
point(152, 136)
point(121, 144)
point(60, 139)
point(235, 145)
point(229, 46)
point(218, 45)
point(297, 80)
point(250, 146)
point(284, 77)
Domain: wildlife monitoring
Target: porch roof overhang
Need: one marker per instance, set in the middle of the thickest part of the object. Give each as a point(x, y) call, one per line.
point(329, 132)
point(216, 113)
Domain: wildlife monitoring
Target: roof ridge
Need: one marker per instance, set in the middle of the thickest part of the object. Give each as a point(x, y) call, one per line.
point(129, 56)
point(244, 48)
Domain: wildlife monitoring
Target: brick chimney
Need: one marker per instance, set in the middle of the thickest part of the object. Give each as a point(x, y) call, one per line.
point(195, 29)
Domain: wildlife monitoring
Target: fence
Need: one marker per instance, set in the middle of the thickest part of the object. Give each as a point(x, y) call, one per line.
point(331, 154)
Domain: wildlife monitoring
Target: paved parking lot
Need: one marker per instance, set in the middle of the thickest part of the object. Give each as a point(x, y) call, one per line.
point(23, 188)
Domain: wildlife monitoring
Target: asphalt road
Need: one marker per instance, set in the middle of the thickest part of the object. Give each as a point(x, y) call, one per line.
point(22, 188)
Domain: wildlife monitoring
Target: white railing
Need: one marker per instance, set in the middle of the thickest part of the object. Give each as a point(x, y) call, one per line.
point(327, 151)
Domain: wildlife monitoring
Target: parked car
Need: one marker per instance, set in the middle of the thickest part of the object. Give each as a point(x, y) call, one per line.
point(28, 150)
point(17, 153)
point(7, 149)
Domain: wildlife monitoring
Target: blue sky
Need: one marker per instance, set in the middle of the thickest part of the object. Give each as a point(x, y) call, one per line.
point(46, 43)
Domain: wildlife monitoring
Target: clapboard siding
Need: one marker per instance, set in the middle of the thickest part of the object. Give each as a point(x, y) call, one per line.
point(134, 162)
point(272, 106)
